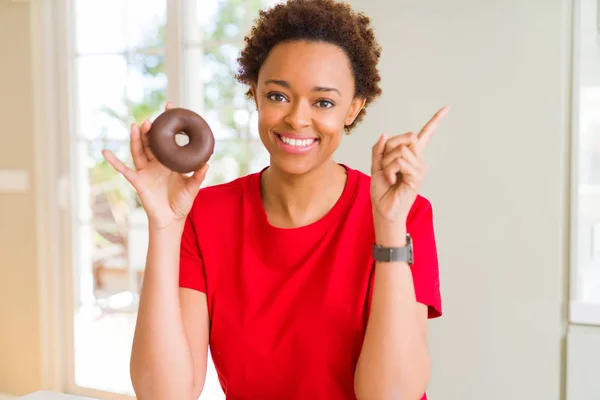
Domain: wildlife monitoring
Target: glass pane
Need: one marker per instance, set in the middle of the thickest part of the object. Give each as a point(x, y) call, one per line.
point(146, 86)
point(211, 89)
point(133, 23)
point(224, 163)
point(234, 158)
point(101, 84)
point(214, 32)
point(221, 20)
point(110, 239)
point(102, 344)
point(218, 20)
point(124, 84)
point(92, 17)
point(259, 156)
point(146, 20)
point(127, 82)
point(587, 268)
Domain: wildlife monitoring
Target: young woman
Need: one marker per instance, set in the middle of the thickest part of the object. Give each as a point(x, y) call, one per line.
point(287, 273)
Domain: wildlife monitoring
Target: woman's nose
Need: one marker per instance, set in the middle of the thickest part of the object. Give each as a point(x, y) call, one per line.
point(299, 115)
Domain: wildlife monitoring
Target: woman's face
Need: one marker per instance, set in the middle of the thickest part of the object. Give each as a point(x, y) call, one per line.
point(305, 98)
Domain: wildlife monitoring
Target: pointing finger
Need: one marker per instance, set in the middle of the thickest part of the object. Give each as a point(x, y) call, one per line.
point(430, 127)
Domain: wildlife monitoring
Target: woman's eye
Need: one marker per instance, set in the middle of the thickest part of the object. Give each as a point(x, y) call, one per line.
point(324, 104)
point(278, 97)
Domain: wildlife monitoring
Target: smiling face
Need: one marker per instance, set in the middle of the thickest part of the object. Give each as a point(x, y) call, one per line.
point(305, 98)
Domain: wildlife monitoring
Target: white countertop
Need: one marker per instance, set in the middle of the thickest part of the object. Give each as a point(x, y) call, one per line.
point(44, 395)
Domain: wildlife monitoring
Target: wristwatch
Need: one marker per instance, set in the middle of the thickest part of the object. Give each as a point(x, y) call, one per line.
point(391, 254)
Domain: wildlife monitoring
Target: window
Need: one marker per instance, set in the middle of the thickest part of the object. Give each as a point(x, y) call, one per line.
point(585, 268)
point(127, 58)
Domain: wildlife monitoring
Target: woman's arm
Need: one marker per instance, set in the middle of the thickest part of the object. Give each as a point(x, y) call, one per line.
point(164, 363)
point(194, 311)
point(394, 362)
point(170, 345)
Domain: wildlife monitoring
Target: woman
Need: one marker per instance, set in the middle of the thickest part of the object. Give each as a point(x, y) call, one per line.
point(276, 270)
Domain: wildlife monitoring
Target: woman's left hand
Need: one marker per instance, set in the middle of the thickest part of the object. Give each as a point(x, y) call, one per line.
point(397, 172)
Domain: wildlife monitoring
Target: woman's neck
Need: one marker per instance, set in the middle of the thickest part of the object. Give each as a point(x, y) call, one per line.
point(292, 201)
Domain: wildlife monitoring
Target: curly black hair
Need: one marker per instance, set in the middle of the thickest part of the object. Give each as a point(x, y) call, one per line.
point(316, 21)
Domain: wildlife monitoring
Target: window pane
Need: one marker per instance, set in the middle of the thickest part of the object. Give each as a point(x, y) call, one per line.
point(109, 238)
point(589, 195)
point(586, 270)
point(101, 84)
point(259, 157)
point(219, 20)
point(214, 32)
point(226, 161)
point(131, 24)
point(102, 350)
point(120, 77)
point(92, 18)
point(145, 23)
point(126, 83)
point(146, 85)
point(234, 158)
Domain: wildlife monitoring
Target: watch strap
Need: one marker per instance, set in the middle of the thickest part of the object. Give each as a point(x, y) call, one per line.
point(394, 254)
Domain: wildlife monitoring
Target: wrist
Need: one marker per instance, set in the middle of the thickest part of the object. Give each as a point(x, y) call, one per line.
point(390, 234)
point(173, 229)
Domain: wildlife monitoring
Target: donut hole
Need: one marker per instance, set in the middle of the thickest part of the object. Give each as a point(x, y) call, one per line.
point(182, 139)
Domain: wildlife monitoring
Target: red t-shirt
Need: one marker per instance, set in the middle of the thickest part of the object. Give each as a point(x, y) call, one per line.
point(289, 307)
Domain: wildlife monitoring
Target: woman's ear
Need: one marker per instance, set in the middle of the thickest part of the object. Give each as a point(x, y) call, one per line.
point(358, 103)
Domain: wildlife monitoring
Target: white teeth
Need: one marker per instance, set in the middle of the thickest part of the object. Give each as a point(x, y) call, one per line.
point(297, 142)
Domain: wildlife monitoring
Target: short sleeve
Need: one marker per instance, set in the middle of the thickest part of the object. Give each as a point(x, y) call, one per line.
point(425, 269)
point(191, 266)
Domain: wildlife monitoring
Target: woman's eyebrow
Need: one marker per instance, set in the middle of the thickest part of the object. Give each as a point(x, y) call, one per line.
point(286, 84)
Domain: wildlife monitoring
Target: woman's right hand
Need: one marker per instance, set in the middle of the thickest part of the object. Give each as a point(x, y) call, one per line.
point(166, 196)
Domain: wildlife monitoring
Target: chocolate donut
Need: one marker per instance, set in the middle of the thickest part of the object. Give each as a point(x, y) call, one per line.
point(182, 159)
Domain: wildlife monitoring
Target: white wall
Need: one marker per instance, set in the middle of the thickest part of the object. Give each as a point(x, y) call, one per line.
point(583, 363)
point(497, 180)
point(589, 43)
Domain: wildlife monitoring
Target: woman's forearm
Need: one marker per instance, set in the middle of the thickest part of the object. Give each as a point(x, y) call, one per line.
point(161, 361)
point(394, 361)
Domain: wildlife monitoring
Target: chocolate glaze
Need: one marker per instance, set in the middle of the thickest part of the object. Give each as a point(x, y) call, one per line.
point(161, 139)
